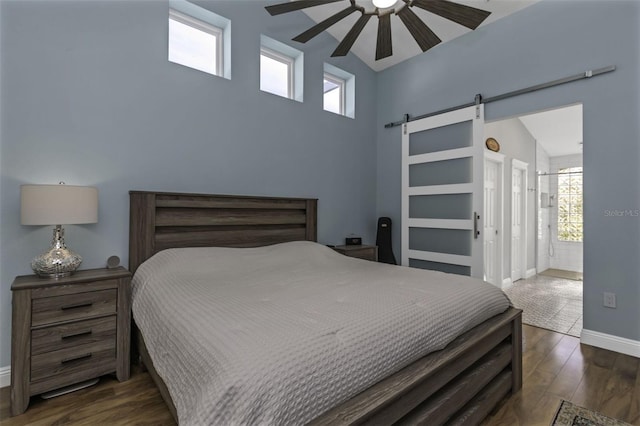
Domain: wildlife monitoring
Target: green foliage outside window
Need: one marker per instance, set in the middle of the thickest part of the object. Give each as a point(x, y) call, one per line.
point(570, 204)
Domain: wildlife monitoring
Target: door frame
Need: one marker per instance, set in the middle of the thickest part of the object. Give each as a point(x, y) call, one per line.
point(498, 158)
point(524, 169)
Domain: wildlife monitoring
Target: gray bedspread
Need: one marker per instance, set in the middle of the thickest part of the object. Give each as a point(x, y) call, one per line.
point(277, 335)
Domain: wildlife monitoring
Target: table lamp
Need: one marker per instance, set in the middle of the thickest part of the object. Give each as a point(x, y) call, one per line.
point(57, 205)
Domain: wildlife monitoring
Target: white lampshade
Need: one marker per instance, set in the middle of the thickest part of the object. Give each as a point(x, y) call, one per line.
point(58, 204)
point(383, 4)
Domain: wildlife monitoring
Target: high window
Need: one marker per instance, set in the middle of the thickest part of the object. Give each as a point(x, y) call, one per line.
point(570, 204)
point(281, 69)
point(195, 44)
point(199, 38)
point(339, 91)
point(333, 94)
point(276, 73)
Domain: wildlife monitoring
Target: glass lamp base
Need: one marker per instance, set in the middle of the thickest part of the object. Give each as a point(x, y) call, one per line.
point(58, 261)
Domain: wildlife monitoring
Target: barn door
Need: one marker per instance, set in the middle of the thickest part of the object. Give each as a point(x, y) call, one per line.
point(442, 192)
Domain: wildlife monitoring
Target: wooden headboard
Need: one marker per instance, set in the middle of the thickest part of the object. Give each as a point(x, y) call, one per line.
point(161, 220)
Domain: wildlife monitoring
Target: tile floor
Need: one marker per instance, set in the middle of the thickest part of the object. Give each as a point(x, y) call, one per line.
point(549, 302)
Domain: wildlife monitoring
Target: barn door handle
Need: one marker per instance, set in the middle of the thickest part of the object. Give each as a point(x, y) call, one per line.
point(476, 232)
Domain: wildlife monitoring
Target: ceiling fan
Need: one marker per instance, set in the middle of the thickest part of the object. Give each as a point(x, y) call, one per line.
point(468, 16)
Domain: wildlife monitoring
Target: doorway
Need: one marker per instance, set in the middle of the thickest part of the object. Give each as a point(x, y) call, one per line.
point(543, 178)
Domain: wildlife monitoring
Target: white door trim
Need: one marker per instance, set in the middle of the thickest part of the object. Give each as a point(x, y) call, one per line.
point(498, 158)
point(523, 168)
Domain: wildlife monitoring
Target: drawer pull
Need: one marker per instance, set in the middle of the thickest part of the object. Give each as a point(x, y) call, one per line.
point(77, 334)
point(76, 358)
point(76, 306)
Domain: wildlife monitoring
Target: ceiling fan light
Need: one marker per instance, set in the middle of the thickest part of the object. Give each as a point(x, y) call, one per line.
point(464, 15)
point(384, 4)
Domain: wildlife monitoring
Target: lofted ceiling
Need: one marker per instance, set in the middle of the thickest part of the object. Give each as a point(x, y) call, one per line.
point(559, 131)
point(404, 46)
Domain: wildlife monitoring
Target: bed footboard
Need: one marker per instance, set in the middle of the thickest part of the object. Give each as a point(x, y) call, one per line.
point(460, 384)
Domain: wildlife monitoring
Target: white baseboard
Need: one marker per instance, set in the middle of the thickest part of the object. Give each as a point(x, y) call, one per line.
point(530, 273)
point(5, 376)
point(610, 342)
point(506, 283)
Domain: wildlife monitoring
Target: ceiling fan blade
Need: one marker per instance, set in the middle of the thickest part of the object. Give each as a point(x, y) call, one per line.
point(384, 47)
point(317, 29)
point(421, 33)
point(468, 16)
point(290, 6)
point(348, 40)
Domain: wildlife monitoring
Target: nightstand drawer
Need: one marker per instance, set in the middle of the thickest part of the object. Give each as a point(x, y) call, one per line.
point(49, 310)
point(64, 336)
point(72, 360)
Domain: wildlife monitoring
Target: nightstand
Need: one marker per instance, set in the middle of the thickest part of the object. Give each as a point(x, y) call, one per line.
point(68, 330)
point(361, 251)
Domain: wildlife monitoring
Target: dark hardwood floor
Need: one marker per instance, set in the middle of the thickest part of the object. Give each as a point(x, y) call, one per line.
point(555, 366)
point(134, 402)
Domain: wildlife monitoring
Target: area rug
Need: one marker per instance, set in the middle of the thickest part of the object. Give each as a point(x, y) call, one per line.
point(551, 303)
point(572, 415)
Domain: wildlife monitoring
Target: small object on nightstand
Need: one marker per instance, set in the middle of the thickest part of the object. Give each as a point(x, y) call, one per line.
point(113, 262)
point(353, 241)
point(68, 330)
point(359, 251)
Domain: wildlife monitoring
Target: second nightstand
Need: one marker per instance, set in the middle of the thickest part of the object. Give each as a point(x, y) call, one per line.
point(68, 330)
point(361, 252)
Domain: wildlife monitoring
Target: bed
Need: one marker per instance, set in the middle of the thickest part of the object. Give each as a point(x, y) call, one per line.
point(458, 384)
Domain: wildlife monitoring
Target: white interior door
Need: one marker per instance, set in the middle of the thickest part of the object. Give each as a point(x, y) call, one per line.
point(518, 219)
point(493, 167)
point(442, 192)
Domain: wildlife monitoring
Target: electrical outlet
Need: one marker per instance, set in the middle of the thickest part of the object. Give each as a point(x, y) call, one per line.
point(609, 300)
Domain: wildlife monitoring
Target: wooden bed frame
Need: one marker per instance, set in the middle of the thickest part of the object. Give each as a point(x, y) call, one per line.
point(460, 384)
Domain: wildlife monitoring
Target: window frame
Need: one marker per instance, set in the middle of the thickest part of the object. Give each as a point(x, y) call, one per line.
point(342, 85)
point(349, 89)
point(205, 27)
point(284, 59)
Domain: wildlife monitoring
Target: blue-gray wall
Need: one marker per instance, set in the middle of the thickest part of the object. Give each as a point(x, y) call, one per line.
point(546, 41)
point(89, 98)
